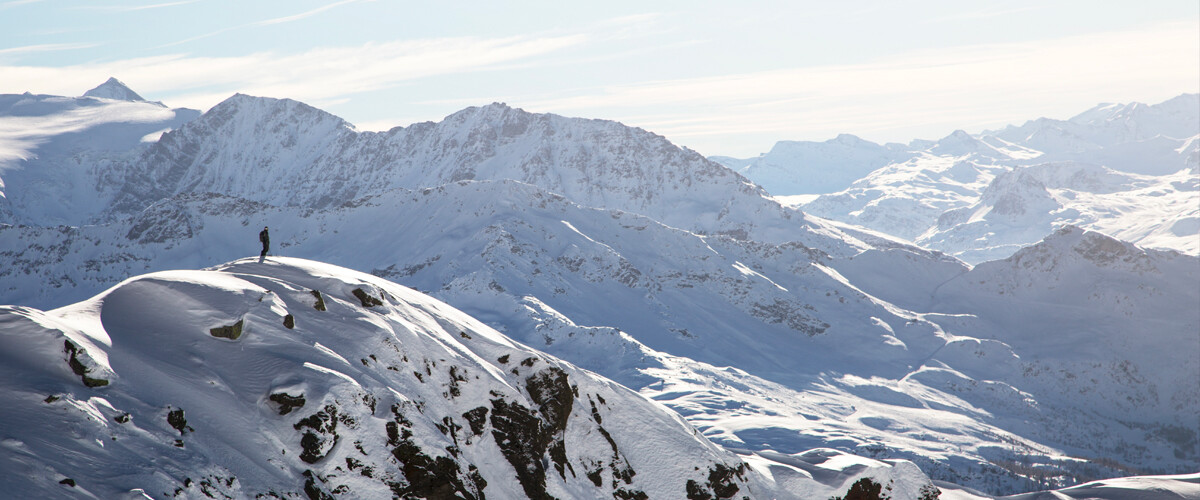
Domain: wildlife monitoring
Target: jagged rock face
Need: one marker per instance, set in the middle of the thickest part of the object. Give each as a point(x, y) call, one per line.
point(300, 156)
point(406, 398)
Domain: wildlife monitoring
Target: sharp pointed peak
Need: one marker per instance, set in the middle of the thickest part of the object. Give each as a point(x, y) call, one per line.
point(114, 89)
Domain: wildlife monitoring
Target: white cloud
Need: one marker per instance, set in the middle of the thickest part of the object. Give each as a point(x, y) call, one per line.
point(302, 15)
point(323, 74)
point(134, 8)
point(45, 47)
point(17, 3)
point(970, 86)
point(265, 22)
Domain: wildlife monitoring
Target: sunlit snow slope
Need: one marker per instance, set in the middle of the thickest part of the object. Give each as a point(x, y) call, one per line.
point(289, 376)
point(1130, 171)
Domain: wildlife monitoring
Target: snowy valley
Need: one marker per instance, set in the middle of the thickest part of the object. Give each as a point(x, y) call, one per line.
point(804, 352)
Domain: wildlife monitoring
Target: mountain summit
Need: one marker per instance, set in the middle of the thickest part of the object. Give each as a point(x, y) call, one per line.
point(114, 89)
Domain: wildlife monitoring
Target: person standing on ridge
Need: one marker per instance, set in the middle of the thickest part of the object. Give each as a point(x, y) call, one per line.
point(265, 238)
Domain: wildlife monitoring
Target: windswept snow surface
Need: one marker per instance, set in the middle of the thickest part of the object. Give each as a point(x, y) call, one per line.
point(1130, 171)
point(335, 384)
point(54, 150)
point(769, 330)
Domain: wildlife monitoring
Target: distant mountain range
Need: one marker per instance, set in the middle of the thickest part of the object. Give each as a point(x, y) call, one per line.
point(1130, 171)
point(769, 330)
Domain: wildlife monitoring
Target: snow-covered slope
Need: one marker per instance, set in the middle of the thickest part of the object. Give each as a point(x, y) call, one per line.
point(288, 377)
point(54, 149)
point(305, 157)
point(802, 167)
point(1120, 169)
point(1125, 488)
point(114, 89)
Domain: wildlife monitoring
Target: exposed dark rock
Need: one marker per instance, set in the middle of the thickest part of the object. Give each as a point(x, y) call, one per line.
point(596, 476)
point(624, 494)
point(77, 367)
point(525, 436)
point(552, 392)
point(558, 455)
point(289, 322)
point(503, 359)
point(122, 418)
point(476, 419)
point(434, 478)
point(523, 439)
point(595, 412)
point(697, 492)
point(721, 483)
point(721, 479)
point(366, 299)
point(231, 332)
point(455, 379)
point(176, 419)
point(320, 305)
point(68, 481)
point(312, 489)
point(287, 402)
point(322, 435)
point(865, 489)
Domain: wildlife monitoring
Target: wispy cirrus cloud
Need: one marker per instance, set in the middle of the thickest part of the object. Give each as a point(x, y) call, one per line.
point(904, 97)
point(135, 8)
point(315, 76)
point(264, 22)
point(982, 14)
point(16, 3)
point(302, 15)
point(46, 47)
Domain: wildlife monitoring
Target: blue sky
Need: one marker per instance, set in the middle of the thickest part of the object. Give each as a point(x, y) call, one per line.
point(727, 78)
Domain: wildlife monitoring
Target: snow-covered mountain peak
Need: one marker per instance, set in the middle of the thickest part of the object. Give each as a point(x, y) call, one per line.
point(1097, 248)
point(1175, 118)
point(850, 140)
point(960, 143)
point(114, 89)
point(1016, 192)
point(798, 167)
point(272, 111)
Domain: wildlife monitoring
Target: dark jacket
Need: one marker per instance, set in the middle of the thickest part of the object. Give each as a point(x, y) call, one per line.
point(264, 237)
